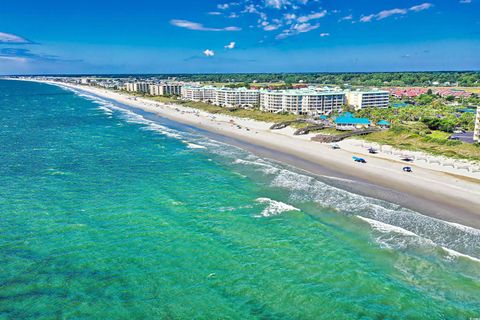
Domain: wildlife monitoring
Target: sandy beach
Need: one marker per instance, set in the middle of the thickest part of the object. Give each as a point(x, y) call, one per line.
point(445, 192)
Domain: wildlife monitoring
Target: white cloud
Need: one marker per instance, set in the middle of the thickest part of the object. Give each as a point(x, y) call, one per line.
point(199, 27)
point(250, 9)
point(397, 11)
point(367, 18)
point(312, 16)
point(297, 29)
point(214, 13)
point(231, 45)
point(387, 13)
point(12, 39)
point(346, 18)
point(223, 6)
point(209, 53)
point(423, 6)
point(277, 4)
point(267, 26)
point(325, 34)
point(14, 59)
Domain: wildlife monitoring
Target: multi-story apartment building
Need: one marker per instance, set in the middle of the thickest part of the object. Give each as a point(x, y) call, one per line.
point(137, 87)
point(165, 89)
point(130, 86)
point(476, 132)
point(193, 93)
point(142, 87)
point(242, 97)
point(368, 99)
point(302, 101)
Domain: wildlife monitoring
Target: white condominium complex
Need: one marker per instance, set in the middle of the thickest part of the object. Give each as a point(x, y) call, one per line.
point(165, 89)
point(241, 97)
point(130, 86)
point(136, 87)
point(476, 132)
point(301, 101)
point(192, 93)
point(368, 99)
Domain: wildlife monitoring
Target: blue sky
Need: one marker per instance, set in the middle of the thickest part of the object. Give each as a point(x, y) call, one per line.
point(191, 36)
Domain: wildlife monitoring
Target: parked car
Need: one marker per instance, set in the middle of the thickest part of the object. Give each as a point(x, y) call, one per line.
point(357, 159)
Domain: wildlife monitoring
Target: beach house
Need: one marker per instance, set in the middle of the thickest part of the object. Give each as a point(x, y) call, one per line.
point(348, 122)
point(383, 124)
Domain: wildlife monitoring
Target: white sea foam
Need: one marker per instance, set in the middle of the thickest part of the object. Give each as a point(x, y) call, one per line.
point(194, 146)
point(274, 208)
point(260, 164)
point(464, 228)
point(385, 228)
point(456, 254)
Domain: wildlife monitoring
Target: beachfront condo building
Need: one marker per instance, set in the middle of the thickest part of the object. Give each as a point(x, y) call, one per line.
point(476, 132)
point(368, 99)
point(302, 101)
point(193, 93)
point(136, 87)
point(241, 97)
point(165, 89)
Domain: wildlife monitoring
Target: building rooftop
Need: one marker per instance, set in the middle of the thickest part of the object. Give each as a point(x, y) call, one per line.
point(351, 120)
point(301, 92)
point(366, 91)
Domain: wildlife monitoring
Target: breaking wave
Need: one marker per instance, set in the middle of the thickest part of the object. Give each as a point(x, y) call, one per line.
point(274, 207)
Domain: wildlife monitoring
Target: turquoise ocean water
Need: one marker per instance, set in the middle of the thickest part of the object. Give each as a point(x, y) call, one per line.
point(110, 214)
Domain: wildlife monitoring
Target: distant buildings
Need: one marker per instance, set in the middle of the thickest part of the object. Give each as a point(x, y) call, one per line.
point(136, 87)
point(165, 89)
point(302, 101)
point(194, 93)
point(413, 92)
point(368, 99)
point(476, 132)
point(242, 97)
point(162, 89)
point(407, 92)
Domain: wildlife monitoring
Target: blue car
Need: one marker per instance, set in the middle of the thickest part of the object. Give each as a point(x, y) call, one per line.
point(357, 159)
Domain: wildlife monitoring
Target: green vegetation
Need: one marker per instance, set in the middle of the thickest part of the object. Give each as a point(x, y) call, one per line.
point(397, 79)
point(425, 127)
point(432, 112)
point(435, 143)
point(467, 79)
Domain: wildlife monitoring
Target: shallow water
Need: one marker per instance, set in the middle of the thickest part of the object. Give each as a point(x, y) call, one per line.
point(108, 214)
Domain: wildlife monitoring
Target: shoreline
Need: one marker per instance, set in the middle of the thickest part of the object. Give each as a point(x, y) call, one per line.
point(443, 195)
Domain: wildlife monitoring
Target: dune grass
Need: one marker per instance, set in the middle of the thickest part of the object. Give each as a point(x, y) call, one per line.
point(254, 114)
point(436, 143)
